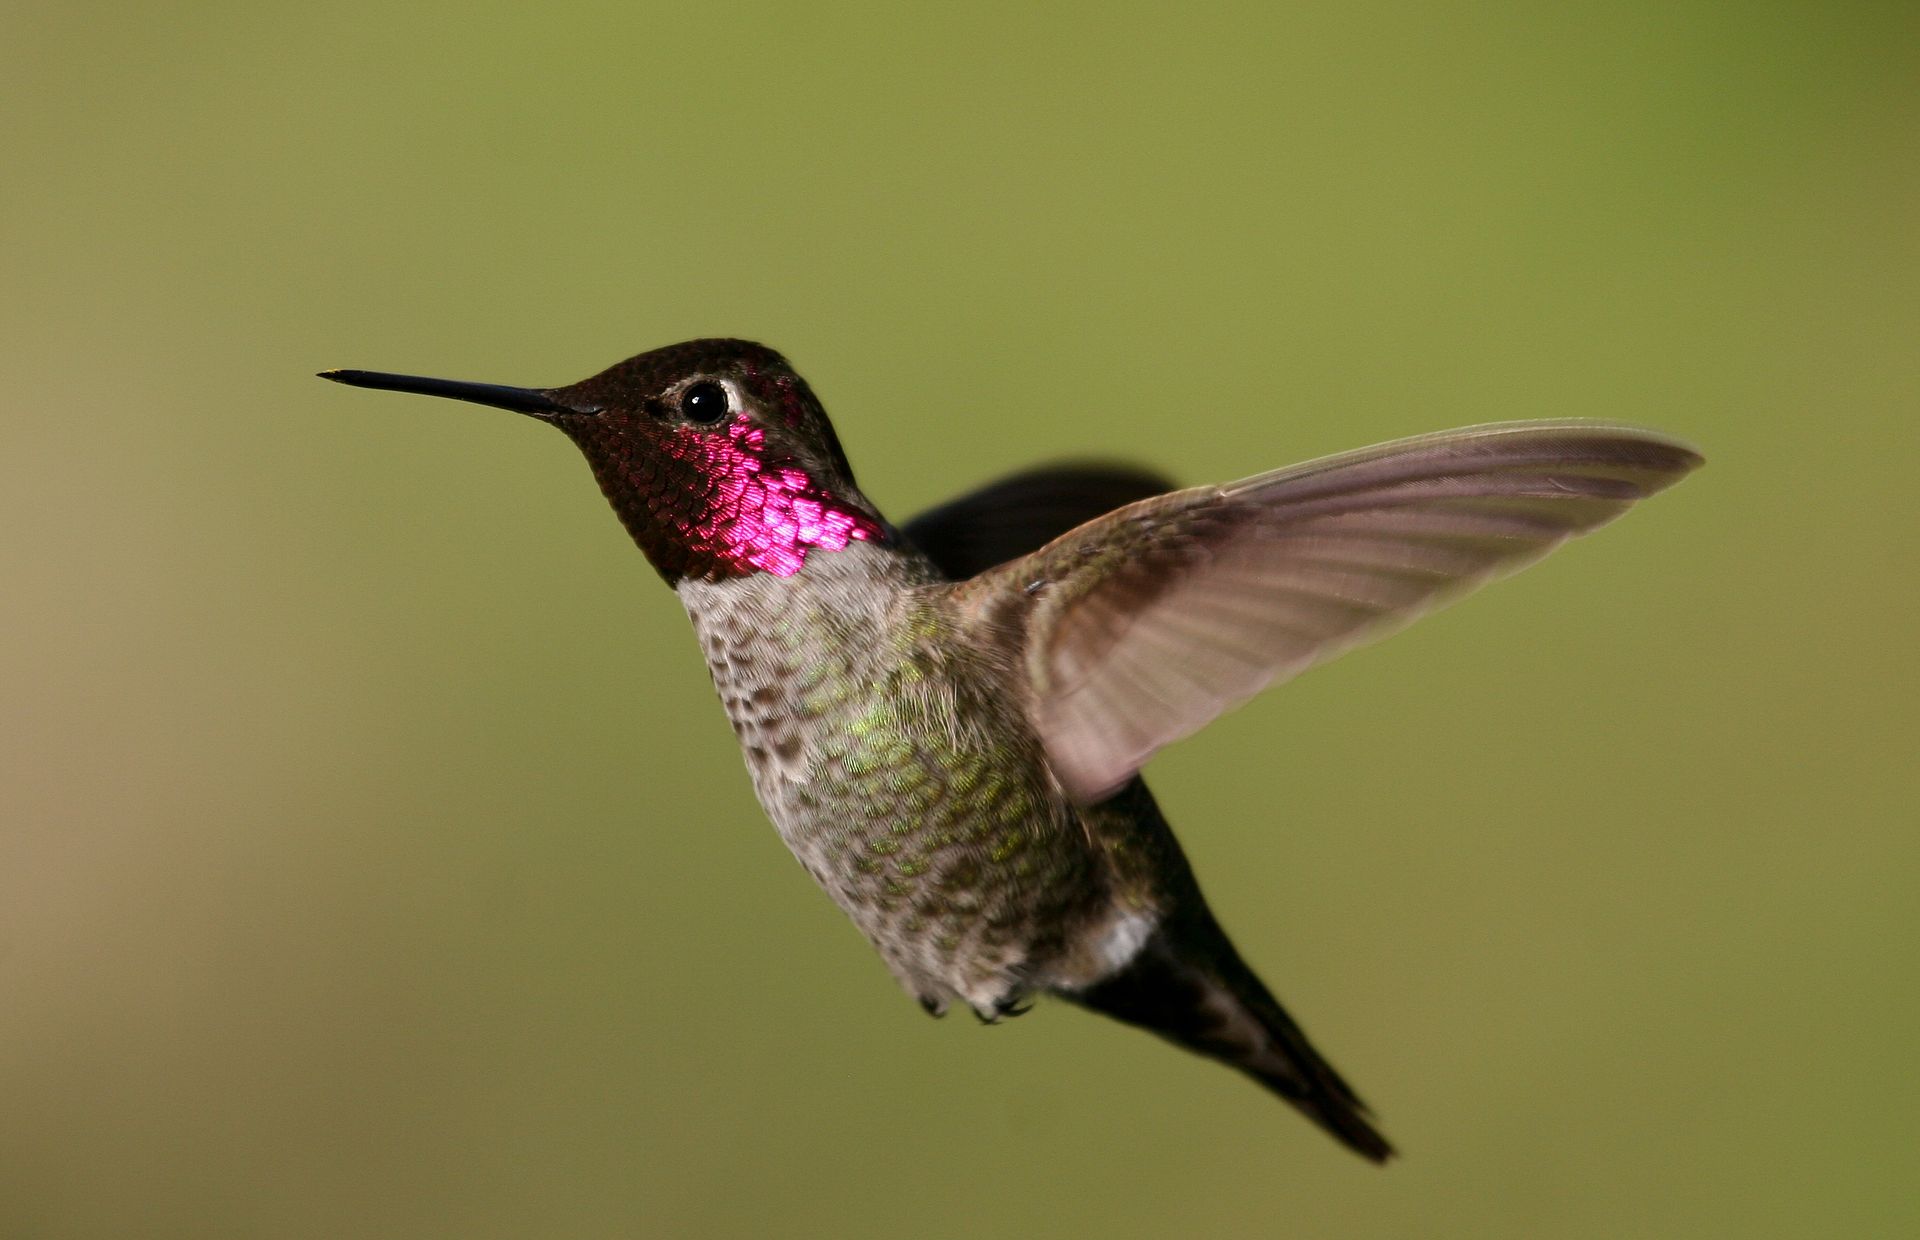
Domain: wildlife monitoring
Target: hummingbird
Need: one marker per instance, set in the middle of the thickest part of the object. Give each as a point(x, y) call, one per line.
point(945, 720)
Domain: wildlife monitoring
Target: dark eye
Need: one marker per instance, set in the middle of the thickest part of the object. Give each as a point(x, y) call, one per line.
point(705, 403)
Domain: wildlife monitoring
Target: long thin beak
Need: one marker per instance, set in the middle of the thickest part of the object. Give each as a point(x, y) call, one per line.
point(532, 401)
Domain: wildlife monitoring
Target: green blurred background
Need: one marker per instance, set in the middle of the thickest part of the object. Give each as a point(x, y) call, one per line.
point(374, 860)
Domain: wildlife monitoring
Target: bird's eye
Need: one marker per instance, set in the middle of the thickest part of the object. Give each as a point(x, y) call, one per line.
point(704, 402)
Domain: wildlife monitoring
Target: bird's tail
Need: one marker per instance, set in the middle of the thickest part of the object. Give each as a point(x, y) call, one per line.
point(1211, 1003)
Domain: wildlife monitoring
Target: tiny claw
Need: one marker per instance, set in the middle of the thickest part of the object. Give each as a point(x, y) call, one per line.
point(1012, 1005)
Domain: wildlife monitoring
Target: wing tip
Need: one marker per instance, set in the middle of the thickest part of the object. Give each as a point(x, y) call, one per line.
point(1656, 448)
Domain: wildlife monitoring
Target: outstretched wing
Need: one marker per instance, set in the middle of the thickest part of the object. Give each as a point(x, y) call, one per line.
point(1015, 515)
point(1142, 626)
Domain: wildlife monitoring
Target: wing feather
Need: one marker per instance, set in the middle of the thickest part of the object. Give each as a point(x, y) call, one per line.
point(1143, 625)
point(1014, 515)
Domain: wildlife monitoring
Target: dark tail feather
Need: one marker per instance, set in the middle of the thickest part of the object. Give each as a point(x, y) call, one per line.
point(1222, 1011)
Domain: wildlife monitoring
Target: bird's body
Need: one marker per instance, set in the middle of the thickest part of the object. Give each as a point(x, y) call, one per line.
point(885, 734)
point(945, 721)
point(888, 750)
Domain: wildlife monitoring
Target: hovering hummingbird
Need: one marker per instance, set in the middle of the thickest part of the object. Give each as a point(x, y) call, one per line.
point(946, 720)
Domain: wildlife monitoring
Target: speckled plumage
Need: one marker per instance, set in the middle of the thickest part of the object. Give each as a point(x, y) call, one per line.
point(890, 754)
point(956, 761)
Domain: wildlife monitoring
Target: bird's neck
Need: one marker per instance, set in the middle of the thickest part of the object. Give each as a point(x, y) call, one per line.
point(833, 597)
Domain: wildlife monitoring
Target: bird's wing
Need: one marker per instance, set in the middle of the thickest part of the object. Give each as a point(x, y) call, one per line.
point(1015, 515)
point(1140, 627)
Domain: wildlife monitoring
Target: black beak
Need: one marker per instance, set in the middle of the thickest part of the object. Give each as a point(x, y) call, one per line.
point(534, 402)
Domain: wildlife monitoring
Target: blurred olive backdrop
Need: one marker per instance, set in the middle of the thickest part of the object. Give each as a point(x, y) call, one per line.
point(376, 862)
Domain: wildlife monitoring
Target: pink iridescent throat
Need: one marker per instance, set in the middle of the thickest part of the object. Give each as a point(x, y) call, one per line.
point(747, 514)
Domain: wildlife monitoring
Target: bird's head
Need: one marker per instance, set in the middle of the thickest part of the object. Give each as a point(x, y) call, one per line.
point(715, 454)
